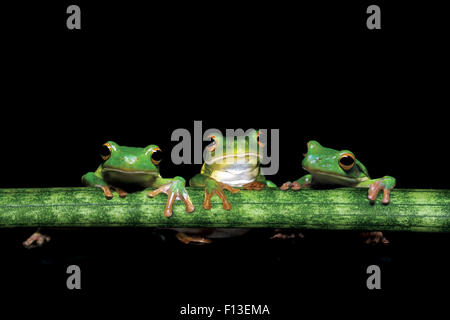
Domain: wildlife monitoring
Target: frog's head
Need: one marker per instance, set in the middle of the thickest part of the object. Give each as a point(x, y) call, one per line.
point(333, 166)
point(243, 149)
point(130, 161)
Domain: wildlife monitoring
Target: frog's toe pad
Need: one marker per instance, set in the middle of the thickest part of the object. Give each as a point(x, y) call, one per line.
point(168, 213)
point(226, 205)
point(107, 191)
point(122, 193)
point(255, 185)
point(190, 207)
point(291, 185)
point(375, 188)
point(296, 186)
point(286, 185)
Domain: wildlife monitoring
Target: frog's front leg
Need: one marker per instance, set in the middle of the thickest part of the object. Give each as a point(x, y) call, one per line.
point(259, 183)
point(212, 187)
point(91, 179)
point(386, 184)
point(175, 189)
point(303, 182)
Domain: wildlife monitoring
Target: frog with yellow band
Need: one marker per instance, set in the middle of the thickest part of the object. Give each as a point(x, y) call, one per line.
point(231, 163)
point(130, 167)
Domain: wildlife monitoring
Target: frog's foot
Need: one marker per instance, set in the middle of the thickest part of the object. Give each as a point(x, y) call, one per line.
point(36, 240)
point(291, 185)
point(374, 237)
point(122, 193)
point(255, 185)
point(90, 179)
point(186, 239)
point(303, 182)
point(217, 188)
point(107, 191)
point(174, 190)
point(382, 184)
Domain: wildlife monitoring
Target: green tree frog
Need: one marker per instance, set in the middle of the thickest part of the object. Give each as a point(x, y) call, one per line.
point(237, 166)
point(332, 167)
point(130, 167)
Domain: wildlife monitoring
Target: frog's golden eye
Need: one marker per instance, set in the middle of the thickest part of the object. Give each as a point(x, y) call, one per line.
point(105, 151)
point(347, 161)
point(156, 156)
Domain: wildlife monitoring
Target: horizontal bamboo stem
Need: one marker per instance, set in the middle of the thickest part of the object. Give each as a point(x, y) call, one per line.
point(342, 208)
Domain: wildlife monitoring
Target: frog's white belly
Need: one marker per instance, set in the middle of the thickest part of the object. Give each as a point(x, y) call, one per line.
point(237, 175)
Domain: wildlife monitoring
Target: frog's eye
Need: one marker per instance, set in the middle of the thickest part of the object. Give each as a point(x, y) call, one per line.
point(347, 161)
point(156, 156)
point(105, 151)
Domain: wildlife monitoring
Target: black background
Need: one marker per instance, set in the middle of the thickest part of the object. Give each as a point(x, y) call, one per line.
point(135, 73)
